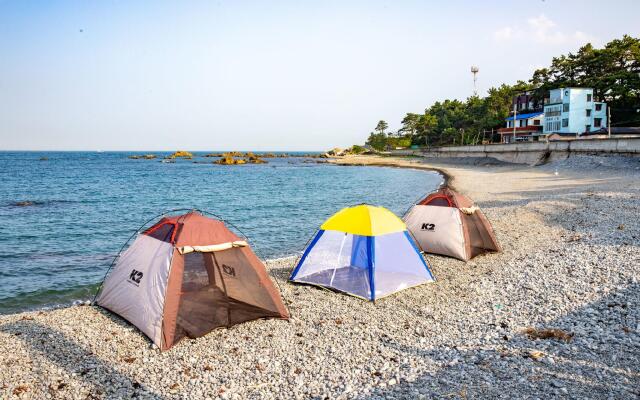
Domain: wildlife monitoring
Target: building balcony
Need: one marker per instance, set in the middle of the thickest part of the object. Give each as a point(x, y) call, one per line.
point(552, 100)
point(521, 130)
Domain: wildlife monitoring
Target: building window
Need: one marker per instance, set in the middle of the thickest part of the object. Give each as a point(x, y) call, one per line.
point(589, 97)
point(587, 128)
point(552, 111)
point(588, 113)
point(565, 107)
point(536, 122)
point(598, 107)
point(597, 122)
point(565, 122)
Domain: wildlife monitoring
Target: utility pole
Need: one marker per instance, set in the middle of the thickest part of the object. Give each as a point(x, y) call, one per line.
point(609, 121)
point(515, 113)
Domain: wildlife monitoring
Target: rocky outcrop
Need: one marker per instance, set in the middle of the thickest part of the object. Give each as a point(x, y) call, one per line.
point(229, 160)
point(338, 152)
point(181, 154)
point(143, 157)
point(254, 159)
point(23, 203)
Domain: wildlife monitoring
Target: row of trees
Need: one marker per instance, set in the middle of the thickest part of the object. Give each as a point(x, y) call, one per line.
point(613, 72)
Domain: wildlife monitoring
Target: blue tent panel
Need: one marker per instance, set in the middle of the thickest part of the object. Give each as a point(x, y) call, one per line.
point(372, 265)
point(360, 252)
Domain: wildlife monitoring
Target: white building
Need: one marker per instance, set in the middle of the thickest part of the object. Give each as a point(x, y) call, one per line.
point(572, 111)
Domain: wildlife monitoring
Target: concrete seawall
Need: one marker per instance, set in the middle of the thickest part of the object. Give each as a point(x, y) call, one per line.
point(533, 153)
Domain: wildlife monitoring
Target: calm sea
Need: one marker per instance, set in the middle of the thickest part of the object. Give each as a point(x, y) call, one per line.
point(83, 206)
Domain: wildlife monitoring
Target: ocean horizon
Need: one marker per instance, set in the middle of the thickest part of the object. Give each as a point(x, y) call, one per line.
point(66, 214)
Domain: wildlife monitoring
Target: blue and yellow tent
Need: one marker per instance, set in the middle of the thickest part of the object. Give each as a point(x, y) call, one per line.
point(365, 251)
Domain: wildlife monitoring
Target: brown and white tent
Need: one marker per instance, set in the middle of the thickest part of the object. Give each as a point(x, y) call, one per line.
point(187, 275)
point(448, 223)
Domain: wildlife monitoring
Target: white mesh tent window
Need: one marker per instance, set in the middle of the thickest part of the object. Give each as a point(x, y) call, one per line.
point(369, 267)
point(398, 264)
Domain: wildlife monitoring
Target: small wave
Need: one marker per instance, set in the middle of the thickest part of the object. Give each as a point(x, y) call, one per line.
point(35, 203)
point(47, 299)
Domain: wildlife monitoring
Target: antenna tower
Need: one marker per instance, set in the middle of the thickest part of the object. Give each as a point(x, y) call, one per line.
point(474, 71)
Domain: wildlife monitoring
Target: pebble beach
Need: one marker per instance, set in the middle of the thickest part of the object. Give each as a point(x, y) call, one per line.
point(555, 315)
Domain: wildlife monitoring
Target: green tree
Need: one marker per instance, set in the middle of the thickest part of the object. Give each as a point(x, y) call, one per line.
point(377, 140)
point(410, 124)
point(426, 126)
point(382, 125)
point(612, 71)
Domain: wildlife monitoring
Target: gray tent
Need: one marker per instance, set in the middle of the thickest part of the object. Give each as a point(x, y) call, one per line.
point(448, 223)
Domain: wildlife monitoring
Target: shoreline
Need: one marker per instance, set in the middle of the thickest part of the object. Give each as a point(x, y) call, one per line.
point(75, 301)
point(390, 162)
point(571, 262)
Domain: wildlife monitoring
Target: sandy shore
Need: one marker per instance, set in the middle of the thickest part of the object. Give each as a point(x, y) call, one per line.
point(571, 261)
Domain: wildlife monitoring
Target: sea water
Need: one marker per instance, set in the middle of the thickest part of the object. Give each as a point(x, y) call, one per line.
point(65, 215)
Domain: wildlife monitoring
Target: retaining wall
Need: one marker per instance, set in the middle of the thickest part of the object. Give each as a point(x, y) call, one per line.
point(534, 152)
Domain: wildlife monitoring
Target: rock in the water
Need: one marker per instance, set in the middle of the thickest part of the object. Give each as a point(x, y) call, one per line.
point(181, 154)
point(229, 160)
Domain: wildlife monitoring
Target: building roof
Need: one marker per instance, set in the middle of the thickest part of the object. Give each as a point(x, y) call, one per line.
point(524, 116)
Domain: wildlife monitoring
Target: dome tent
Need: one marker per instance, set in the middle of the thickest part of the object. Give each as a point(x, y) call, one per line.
point(448, 223)
point(185, 276)
point(364, 251)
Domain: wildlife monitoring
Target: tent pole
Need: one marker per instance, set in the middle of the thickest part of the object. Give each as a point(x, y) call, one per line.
point(344, 238)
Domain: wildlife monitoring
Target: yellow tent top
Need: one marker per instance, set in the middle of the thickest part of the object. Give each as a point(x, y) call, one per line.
point(364, 220)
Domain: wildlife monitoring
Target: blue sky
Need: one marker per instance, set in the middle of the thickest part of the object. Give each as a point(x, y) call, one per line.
point(289, 75)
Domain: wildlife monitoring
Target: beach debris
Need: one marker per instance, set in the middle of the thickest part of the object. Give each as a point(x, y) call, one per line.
point(535, 354)
point(18, 390)
point(621, 227)
point(129, 360)
point(575, 237)
point(558, 334)
point(57, 386)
